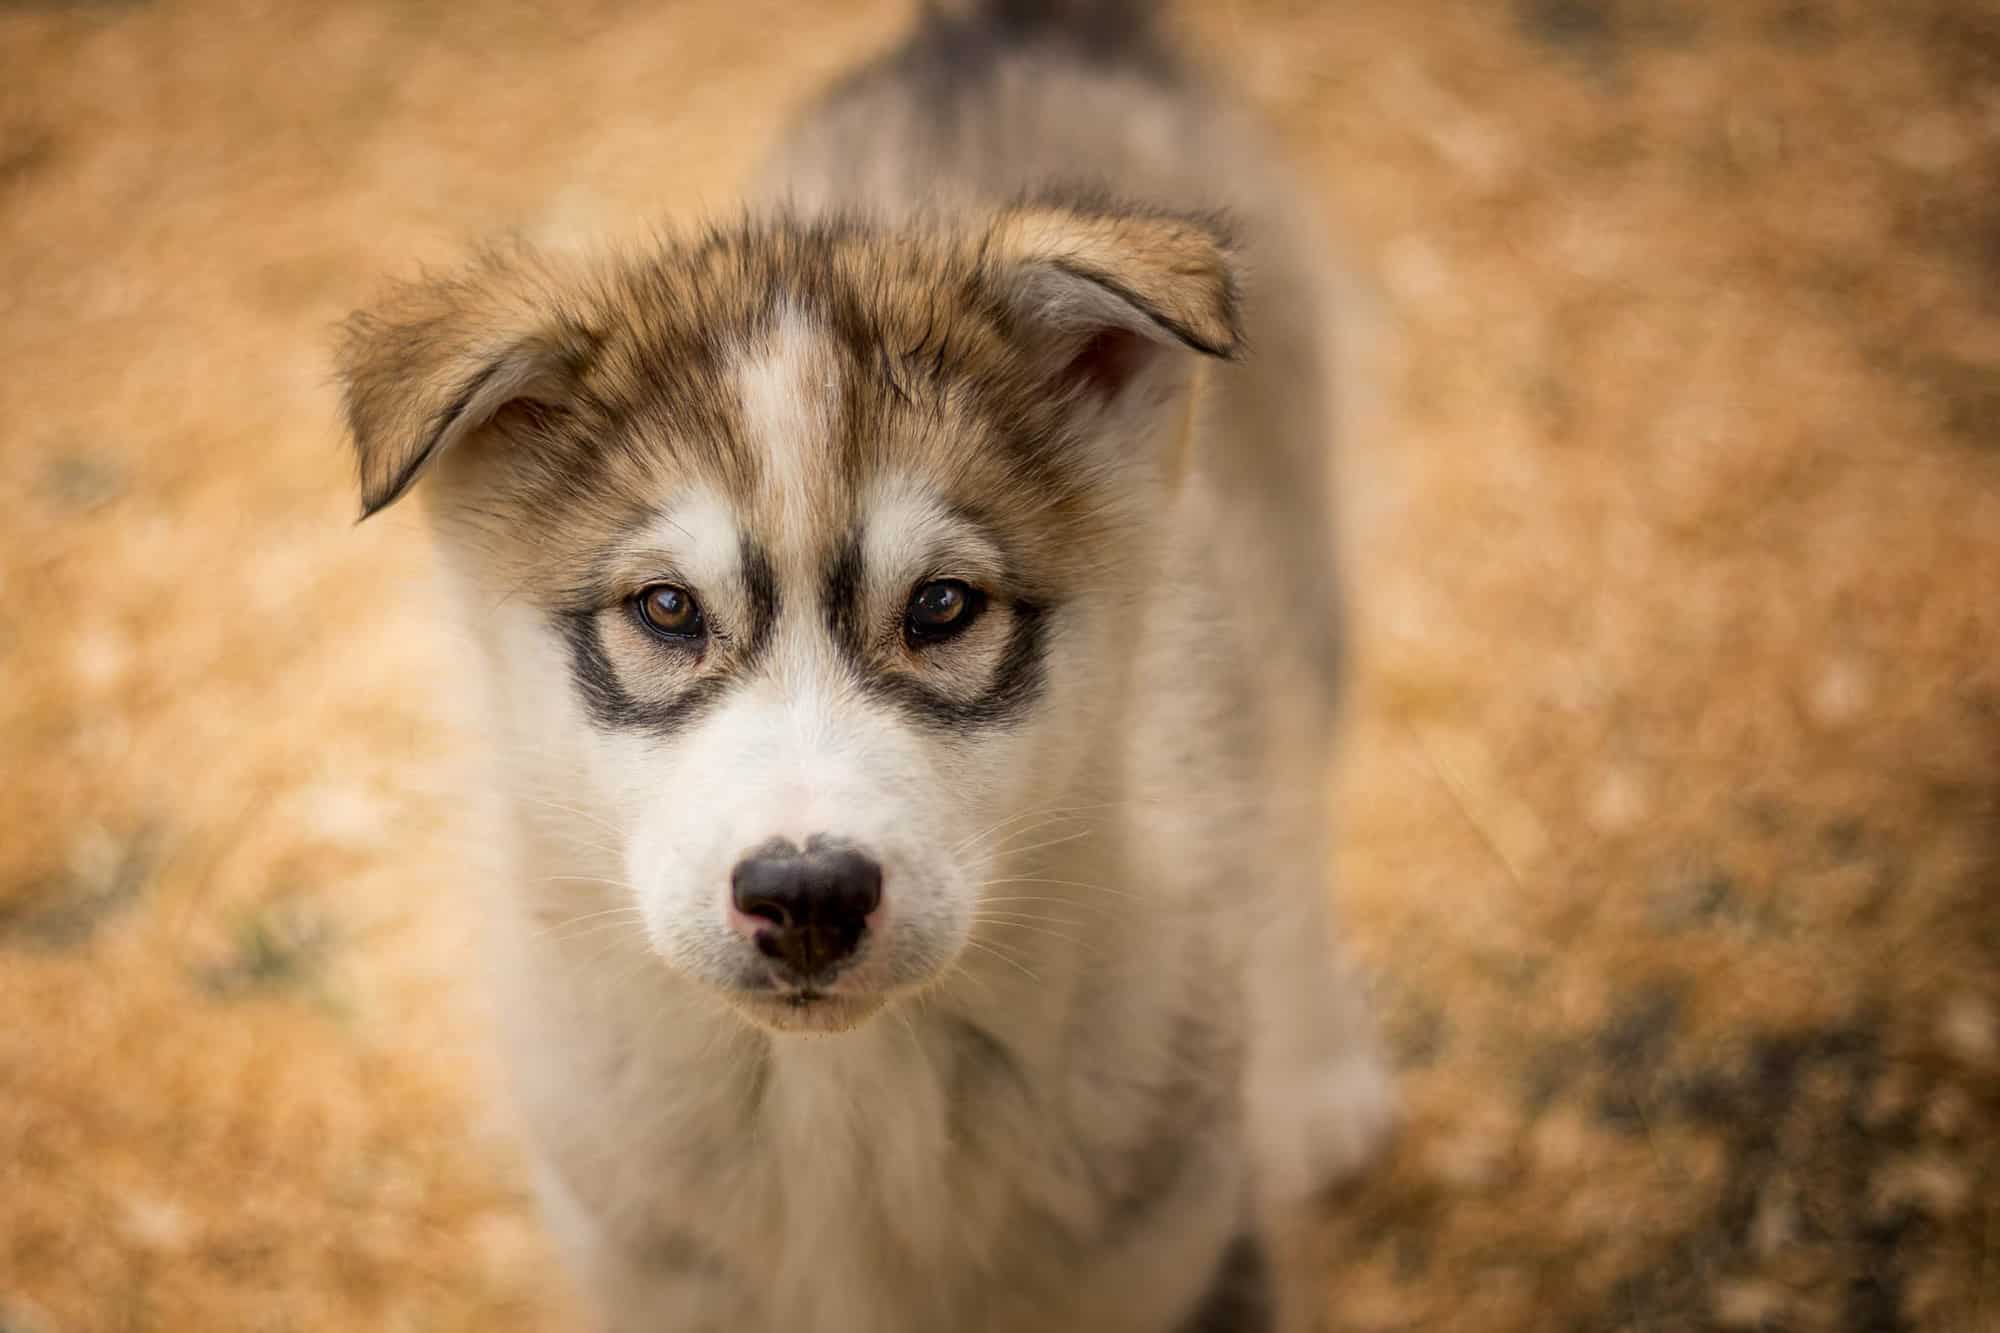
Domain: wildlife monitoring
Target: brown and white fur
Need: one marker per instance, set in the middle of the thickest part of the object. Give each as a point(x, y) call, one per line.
point(1024, 312)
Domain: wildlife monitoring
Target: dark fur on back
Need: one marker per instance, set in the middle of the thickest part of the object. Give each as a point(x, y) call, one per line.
point(963, 37)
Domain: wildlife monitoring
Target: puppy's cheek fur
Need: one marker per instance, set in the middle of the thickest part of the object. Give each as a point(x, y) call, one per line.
point(683, 899)
point(931, 920)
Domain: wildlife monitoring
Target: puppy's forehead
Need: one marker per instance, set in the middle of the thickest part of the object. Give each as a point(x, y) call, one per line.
point(900, 519)
point(825, 465)
point(789, 386)
point(795, 385)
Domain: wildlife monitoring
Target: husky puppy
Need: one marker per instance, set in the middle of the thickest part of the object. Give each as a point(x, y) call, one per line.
point(908, 641)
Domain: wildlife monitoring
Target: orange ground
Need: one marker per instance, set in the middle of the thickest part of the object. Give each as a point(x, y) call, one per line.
point(1672, 800)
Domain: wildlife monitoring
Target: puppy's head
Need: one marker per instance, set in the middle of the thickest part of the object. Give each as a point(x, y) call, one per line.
point(797, 550)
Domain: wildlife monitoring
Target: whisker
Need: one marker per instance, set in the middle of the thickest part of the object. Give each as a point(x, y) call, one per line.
point(579, 812)
point(1064, 883)
point(589, 879)
point(998, 844)
point(623, 911)
point(1053, 842)
point(957, 972)
point(1028, 916)
point(1099, 908)
point(574, 838)
point(1008, 959)
point(1071, 940)
point(916, 1042)
point(625, 925)
point(1050, 814)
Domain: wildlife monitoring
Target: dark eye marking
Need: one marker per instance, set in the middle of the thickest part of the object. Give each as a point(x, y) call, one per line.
point(1017, 678)
point(671, 617)
point(842, 596)
point(940, 610)
point(760, 581)
point(670, 612)
point(1016, 684)
point(610, 705)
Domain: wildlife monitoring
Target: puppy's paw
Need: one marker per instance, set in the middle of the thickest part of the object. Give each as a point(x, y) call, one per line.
point(1318, 1127)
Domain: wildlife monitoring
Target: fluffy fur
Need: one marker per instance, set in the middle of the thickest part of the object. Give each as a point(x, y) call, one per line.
point(1097, 1034)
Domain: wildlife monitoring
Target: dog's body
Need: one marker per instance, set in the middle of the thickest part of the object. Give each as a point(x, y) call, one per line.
point(914, 548)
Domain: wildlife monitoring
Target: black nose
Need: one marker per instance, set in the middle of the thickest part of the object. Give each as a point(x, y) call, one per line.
point(816, 901)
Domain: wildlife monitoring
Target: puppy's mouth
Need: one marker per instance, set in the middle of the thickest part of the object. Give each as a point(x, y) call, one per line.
point(807, 1009)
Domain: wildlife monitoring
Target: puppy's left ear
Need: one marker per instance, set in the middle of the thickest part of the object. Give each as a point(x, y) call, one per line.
point(438, 361)
point(1104, 294)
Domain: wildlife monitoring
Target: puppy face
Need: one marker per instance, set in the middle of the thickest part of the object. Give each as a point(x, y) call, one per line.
point(803, 545)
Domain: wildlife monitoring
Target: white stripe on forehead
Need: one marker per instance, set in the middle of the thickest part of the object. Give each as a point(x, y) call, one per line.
point(787, 389)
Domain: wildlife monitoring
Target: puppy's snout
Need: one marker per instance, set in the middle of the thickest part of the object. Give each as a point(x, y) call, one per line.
point(805, 910)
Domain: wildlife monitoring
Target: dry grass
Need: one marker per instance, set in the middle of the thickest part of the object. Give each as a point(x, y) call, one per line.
point(1672, 801)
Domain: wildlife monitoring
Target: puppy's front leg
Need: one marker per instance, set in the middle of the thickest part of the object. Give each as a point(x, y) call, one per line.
point(656, 1294)
point(668, 1283)
point(1320, 1098)
point(1320, 1101)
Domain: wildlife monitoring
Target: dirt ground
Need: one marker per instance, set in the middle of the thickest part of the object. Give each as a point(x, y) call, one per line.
point(1671, 801)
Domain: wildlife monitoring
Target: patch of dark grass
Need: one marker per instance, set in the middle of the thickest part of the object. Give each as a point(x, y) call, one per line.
point(275, 950)
point(63, 911)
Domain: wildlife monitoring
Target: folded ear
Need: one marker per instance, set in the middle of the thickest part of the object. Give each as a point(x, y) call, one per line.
point(1110, 291)
point(438, 360)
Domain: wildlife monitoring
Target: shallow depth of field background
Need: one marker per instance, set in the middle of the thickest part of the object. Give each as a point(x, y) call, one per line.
point(1671, 801)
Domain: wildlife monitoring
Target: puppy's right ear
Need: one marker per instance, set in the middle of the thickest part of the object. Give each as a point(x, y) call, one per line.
point(436, 361)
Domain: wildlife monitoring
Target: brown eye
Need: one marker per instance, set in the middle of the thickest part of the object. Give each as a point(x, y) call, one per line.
point(670, 612)
point(940, 609)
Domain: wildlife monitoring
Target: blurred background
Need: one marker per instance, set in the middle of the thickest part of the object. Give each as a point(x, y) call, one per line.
point(1671, 800)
